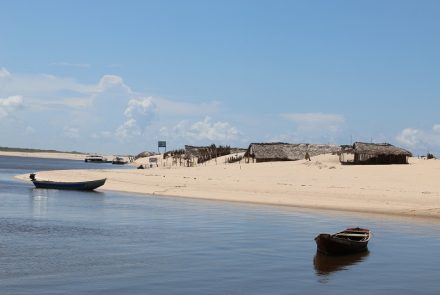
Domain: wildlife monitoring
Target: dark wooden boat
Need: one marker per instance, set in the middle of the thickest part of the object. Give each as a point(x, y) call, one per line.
point(119, 161)
point(79, 185)
point(95, 159)
point(349, 241)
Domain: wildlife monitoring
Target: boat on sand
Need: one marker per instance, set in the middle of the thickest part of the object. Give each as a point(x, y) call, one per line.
point(78, 185)
point(348, 241)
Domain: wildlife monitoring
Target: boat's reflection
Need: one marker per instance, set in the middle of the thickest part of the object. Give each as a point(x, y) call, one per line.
point(325, 265)
point(41, 198)
point(39, 201)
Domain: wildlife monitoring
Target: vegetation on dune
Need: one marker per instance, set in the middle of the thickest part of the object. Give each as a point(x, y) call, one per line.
point(26, 150)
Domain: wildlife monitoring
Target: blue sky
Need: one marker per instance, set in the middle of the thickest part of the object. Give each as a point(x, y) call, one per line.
point(117, 76)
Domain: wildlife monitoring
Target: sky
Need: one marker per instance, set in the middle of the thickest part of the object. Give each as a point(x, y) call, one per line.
point(118, 76)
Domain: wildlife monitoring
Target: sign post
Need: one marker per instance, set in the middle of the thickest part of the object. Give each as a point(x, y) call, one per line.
point(161, 144)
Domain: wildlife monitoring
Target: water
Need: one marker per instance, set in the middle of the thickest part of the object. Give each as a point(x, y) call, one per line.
point(61, 242)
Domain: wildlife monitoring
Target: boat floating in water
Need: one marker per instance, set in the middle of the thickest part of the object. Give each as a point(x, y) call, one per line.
point(95, 159)
point(349, 241)
point(79, 185)
point(119, 161)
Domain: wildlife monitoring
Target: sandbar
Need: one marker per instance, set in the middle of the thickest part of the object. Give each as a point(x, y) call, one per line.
point(322, 183)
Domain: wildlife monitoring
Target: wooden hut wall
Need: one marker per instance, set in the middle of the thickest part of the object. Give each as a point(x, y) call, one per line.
point(346, 158)
point(380, 159)
point(371, 153)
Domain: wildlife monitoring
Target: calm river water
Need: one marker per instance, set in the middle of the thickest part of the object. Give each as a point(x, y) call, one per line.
point(61, 242)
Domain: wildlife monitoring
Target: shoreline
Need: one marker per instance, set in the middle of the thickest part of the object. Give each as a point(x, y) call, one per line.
point(405, 190)
point(44, 155)
point(49, 155)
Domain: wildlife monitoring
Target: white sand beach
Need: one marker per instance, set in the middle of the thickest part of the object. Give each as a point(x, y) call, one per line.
point(322, 183)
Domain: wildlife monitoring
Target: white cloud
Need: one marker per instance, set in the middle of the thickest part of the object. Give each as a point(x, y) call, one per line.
point(108, 81)
point(43, 89)
point(75, 102)
point(138, 113)
point(4, 73)
point(410, 137)
point(139, 106)
point(9, 105)
point(105, 111)
point(420, 139)
point(129, 129)
point(202, 131)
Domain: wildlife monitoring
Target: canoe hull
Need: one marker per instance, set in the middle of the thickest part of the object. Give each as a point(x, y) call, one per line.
point(339, 245)
point(81, 186)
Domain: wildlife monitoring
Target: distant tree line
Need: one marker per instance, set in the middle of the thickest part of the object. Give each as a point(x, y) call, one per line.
point(25, 150)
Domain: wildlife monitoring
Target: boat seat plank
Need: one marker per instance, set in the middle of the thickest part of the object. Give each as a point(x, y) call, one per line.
point(350, 235)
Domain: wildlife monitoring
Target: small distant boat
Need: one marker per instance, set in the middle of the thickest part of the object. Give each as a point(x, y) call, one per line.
point(95, 159)
point(349, 241)
point(119, 161)
point(79, 185)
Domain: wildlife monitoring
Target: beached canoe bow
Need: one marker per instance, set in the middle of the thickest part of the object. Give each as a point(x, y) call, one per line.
point(79, 185)
point(349, 241)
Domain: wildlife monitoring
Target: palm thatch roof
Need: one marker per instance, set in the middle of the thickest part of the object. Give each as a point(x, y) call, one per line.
point(279, 151)
point(376, 149)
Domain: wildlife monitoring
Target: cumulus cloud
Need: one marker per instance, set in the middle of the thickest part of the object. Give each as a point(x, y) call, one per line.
point(107, 110)
point(9, 105)
point(109, 81)
point(138, 113)
point(410, 137)
point(420, 139)
point(202, 130)
point(129, 129)
point(140, 106)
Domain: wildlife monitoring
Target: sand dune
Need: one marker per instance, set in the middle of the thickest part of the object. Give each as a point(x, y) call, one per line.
point(412, 190)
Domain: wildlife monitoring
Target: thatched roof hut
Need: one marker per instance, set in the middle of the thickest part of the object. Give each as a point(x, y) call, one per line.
point(373, 153)
point(278, 151)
